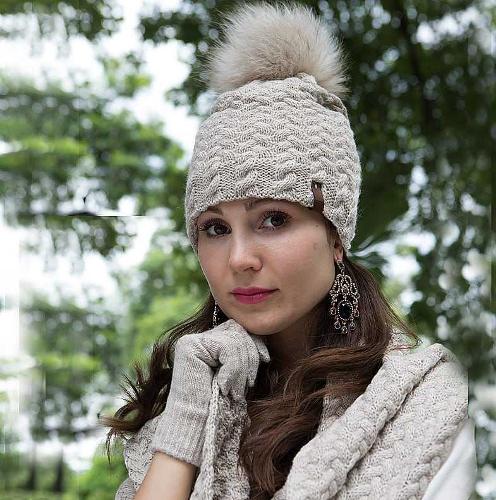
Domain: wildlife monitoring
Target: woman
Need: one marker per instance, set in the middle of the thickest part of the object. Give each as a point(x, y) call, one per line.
point(313, 388)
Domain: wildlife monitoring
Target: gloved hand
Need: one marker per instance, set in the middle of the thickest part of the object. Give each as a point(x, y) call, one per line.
point(181, 428)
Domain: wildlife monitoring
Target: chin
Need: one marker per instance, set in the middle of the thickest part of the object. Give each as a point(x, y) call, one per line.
point(258, 326)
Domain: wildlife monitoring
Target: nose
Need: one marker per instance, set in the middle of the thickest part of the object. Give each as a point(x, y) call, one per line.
point(244, 253)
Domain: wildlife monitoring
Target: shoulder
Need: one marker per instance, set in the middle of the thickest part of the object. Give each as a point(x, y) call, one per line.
point(125, 491)
point(440, 384)
point(436, 366)
point(138, 452)
point(457, 476)
point(433, 411)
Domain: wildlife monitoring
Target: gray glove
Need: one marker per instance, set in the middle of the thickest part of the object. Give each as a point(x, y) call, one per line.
point(181, 428)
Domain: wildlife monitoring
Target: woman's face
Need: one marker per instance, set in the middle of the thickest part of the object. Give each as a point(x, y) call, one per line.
point(278, 245)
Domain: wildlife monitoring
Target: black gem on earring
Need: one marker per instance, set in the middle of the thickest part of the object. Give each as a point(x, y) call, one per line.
point(345, 309)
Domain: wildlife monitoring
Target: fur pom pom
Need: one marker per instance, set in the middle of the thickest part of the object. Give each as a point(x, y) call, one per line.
point(270, 42)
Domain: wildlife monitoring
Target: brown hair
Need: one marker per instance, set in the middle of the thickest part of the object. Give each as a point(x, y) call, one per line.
point(282, 420)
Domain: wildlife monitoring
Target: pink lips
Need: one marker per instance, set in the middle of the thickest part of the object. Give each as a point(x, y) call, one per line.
point(251, 290)
point(254, 298)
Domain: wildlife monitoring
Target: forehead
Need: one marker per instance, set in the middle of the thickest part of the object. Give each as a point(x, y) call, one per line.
point(248, 203)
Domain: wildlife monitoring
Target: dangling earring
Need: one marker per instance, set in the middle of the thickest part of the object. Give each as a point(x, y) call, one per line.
point(347, 308)
point(214, 319)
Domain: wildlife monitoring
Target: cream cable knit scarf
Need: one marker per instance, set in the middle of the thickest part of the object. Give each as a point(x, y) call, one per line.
point(389, 442)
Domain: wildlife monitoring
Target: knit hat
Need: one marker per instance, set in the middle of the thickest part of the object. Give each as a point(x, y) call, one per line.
point(278, 125)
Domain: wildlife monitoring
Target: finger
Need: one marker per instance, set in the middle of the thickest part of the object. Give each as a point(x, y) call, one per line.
point(252, 353)
point(232, 379)
point(263, 351)
point(222, 381)
point(207, 349)
point(254, 362)
point(240, 360)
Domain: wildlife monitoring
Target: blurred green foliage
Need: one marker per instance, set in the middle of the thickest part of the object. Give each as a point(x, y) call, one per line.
point(89, 18)
point(423, 113)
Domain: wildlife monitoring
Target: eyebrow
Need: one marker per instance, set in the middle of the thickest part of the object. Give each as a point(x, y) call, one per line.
point(249, 205)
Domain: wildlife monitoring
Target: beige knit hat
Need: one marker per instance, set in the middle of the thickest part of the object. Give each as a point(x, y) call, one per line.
point(278, 124)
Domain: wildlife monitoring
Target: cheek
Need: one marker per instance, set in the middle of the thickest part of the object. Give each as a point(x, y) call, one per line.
point(210, 266)
point(306, 259)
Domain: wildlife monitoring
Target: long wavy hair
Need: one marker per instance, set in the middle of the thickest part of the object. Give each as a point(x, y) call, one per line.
point(284, 412)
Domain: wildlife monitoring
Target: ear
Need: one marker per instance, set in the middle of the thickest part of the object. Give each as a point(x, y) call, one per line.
point(338, 249)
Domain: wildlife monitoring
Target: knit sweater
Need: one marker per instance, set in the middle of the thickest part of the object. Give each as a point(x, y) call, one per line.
point(388, 442)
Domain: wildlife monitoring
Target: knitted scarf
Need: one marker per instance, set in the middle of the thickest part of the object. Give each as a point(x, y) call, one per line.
point(388, 442)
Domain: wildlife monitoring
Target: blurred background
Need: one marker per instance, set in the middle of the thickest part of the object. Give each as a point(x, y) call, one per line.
point(100, 101)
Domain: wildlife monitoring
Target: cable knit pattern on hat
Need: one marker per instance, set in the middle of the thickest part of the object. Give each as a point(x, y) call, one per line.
point(388, 442)
point(279, 124)
point(272, 140)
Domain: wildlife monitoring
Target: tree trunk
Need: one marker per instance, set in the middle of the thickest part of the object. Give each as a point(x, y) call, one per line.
point(32, 478)
point(58, 484)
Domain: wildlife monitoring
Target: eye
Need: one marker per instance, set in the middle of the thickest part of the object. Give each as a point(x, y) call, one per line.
point(271, 214)
point(275, 214)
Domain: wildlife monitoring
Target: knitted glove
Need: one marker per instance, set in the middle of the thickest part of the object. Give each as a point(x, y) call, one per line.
point(181, 428)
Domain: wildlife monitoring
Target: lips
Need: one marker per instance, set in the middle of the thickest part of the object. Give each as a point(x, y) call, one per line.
point(252, 291)
point(254, 298)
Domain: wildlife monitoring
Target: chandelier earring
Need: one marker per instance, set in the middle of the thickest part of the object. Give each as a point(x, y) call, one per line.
point(344, 301)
